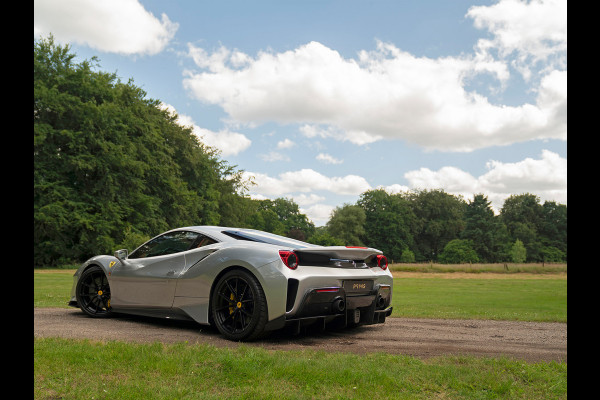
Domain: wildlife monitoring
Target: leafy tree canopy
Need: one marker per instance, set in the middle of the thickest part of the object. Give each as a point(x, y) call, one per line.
point(458, 251)
point(107, 161)
point(348, 224)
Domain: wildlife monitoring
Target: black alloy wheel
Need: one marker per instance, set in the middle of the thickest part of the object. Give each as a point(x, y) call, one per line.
point(93, 292)
point(239, 307)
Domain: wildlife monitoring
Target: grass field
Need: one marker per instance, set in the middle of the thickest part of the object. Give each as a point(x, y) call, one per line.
point(74, 369)
point(524, 297)
point(497, 268)
point(484, 297)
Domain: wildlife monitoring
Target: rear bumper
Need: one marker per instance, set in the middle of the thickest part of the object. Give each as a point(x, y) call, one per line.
point(335, 305)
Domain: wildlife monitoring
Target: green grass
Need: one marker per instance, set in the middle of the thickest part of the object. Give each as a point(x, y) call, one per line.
point(74, 369)
point(52, 288)
point(81, 369)
point(497, 268)
point(487, 298)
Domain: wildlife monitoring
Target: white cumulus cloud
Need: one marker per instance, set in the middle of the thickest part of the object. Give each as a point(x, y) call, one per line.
point(285, 144)
point(306, 180)
point(299, 185)
point(545, 177)
point(227, 142)
point(534, 30)
point(319, 213)
point(386, 93)
point(328, 159)
point(116, 26)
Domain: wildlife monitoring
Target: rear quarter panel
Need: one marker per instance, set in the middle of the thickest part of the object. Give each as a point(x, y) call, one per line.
point(194, 285)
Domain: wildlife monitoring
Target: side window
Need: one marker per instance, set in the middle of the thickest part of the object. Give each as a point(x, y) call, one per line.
point(172, 242)
point(202, 241)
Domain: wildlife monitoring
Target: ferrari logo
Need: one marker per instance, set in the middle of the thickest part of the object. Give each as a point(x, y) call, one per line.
point(111, 264)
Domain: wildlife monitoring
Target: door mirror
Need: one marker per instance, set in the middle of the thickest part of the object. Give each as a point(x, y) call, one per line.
point(121, 254)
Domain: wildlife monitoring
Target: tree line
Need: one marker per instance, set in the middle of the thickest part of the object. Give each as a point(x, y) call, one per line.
point(112, 169)
point(432, 225)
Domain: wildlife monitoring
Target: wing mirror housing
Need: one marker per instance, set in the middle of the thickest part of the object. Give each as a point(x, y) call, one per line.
point(122, 254)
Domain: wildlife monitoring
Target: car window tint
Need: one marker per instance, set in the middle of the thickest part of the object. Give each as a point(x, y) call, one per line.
point(202, 241)
point(169, 243)
point(265, 237)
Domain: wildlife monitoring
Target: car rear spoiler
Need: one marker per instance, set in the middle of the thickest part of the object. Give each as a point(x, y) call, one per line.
point(340, 256)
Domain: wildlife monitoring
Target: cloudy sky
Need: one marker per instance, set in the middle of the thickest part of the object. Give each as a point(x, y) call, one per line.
point(319, 101)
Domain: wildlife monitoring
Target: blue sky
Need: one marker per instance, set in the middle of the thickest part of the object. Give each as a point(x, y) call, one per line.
point(319, 101)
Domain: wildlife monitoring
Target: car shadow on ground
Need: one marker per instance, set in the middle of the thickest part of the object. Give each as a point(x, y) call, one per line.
point(306, 335)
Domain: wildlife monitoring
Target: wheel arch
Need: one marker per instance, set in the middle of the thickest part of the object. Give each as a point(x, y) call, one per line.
point(106, 263)
point(218, 277)
point(271, 280)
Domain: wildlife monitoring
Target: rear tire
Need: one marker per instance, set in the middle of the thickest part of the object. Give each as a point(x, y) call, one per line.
point(93, 293)
point(239, 306)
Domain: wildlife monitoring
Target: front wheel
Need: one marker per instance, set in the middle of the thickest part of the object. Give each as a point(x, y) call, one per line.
point(239, 306)
point(93, 292)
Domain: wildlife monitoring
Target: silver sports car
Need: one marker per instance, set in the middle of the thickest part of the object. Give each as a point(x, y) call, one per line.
point(244, 281)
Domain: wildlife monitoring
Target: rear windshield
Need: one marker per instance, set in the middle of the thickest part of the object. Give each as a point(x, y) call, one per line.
point(265, 237)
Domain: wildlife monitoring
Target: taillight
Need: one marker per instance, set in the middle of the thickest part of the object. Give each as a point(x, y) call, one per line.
point(289, 258)
point(382, 261)
point(327, 290)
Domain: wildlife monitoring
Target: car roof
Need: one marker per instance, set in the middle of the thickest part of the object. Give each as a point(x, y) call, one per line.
point(210, 230)
point(217, 232)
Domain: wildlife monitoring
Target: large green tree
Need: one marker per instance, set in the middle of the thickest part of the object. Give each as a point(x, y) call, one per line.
point(553, 231)
point(107, 161)
point(439, 220)
point(488, 235)
point(389, 222)
point(458, 251)
point(348, 224)
point(281, 216)
point(523, 216)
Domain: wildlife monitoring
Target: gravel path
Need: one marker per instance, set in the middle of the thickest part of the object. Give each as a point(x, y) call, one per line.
point(529, 341)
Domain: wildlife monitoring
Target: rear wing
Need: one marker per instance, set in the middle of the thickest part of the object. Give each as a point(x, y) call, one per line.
point(342, 256)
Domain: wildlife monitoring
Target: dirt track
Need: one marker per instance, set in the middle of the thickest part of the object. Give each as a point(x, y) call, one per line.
point(530, 341)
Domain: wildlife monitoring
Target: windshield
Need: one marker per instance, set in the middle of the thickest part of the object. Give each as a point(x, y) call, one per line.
point(265, 237)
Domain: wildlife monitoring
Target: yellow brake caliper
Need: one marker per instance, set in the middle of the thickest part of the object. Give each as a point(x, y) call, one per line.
point(100, 292)
point(232, 298)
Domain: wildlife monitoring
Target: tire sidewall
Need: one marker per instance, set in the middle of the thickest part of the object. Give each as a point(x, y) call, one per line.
point(259, 317)
point(88, 271)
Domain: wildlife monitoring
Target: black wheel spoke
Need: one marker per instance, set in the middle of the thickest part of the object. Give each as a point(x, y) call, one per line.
point(231, 289)
point(244, 312)
point(242, 319)
point(225, 297)
point(243, 293)
point(229, 316)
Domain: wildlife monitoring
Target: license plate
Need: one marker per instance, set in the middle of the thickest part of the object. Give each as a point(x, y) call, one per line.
point(358, 286)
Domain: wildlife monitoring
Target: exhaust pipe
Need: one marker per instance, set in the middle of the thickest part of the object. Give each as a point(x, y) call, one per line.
point(338, 305)
point(380, 302)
